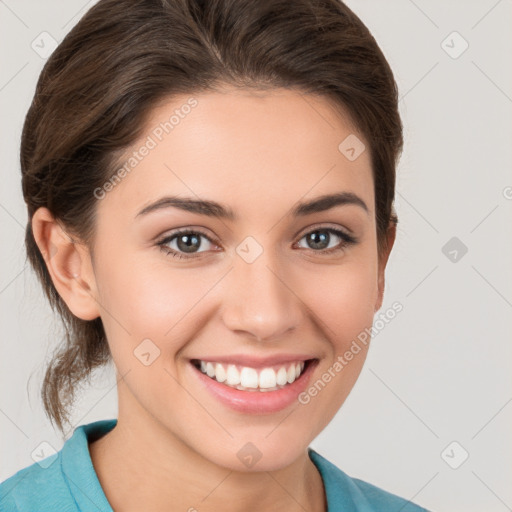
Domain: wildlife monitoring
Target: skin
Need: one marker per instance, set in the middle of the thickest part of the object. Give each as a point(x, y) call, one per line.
point(175, 447)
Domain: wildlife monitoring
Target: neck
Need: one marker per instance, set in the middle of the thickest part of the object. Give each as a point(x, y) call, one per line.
point(141, 466)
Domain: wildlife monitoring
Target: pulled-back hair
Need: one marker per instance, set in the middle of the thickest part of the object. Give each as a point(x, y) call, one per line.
point(126, 56)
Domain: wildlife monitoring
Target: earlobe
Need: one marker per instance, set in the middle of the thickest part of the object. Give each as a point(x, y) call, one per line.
point(68, 263)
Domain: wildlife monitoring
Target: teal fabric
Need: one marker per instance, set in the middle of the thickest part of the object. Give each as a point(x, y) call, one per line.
point(67, 482)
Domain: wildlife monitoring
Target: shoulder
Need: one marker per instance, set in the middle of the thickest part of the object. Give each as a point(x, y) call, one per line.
point(382, 500)
point(40, 486)
point(65, 481)
point(351, 493)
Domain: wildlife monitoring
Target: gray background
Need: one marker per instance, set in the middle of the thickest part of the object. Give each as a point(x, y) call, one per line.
point(440, 372)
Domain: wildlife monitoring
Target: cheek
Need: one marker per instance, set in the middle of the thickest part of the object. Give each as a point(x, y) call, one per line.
point(143, 299)
point(343, 300)
point(157, 301)
point(343, 297)
point(151, 299)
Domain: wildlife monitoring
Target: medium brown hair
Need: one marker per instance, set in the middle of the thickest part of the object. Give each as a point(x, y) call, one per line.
point(126, 56)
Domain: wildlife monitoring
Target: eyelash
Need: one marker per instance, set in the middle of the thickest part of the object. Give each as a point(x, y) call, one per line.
point(347, 240)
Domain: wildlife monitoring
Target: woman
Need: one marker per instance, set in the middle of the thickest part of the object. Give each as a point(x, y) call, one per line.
point(210, 195)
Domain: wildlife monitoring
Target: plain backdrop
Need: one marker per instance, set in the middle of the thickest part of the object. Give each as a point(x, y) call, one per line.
point(431, 414)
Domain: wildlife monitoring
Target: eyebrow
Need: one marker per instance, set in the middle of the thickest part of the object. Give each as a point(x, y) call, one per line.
point(217, 210)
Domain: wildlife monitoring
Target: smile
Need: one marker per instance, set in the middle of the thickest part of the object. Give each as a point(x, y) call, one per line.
point(246, 378)
point(253, 385)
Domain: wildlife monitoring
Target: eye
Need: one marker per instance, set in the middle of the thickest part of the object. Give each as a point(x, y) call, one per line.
point(187, 241)
point(319, 240)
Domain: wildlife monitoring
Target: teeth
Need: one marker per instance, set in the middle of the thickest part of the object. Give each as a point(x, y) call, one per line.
point(220, 373)
point(266, 379)
point(233, 376)
point(281, 377)
point(249, 377)
point(210, 370)
point(291, 374)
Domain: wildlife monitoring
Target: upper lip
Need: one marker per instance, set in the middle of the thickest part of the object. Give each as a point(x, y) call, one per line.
point(256, 362)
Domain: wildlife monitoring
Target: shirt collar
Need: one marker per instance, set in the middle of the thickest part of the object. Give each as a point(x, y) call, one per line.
point(78, 470)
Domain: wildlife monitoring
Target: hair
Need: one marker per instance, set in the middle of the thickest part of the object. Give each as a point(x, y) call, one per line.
point(124, 57)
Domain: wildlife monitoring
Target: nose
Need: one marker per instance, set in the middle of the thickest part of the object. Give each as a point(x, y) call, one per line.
point(260, 300)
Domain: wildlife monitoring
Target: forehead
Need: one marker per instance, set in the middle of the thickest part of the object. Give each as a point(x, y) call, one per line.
point(246, 148)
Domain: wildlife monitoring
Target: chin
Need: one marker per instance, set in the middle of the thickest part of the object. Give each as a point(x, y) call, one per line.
point(251, 454)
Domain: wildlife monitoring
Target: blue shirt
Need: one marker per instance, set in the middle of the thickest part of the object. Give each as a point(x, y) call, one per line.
point(67, 482)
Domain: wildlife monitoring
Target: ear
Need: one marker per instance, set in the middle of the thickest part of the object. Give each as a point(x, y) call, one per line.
point(383, 259)
point(69, 264)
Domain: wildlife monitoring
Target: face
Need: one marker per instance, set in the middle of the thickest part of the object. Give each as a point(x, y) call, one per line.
point(271, 286)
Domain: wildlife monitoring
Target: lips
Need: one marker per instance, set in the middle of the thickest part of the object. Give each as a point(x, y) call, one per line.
point(254, 400)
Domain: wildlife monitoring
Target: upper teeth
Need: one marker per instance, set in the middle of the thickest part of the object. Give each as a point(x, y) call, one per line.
point(244, 377)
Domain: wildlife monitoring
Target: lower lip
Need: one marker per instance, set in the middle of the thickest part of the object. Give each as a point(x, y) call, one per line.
point(257, 402)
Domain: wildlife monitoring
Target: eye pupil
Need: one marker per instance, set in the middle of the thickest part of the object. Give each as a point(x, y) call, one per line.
point(319, 240)
point(189, 242)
